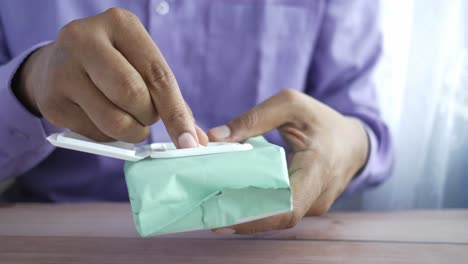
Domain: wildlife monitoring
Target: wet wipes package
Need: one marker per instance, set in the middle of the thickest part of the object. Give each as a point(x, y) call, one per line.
point(176, 190)
point(208, 191)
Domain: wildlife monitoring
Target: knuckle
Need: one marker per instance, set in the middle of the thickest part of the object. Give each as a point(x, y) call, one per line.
point(249, 120)
point(120, 16)
point(131, 89)
point(120, 125)
point(290, 95)
point(71, 32)
point(178, 115)
point(160, 79)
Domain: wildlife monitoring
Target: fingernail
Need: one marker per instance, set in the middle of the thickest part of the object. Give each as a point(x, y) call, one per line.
point(225, 231)
point(221, 132)
point(186, 140)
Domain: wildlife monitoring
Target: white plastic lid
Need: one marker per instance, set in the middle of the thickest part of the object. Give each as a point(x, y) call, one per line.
point(126, 151)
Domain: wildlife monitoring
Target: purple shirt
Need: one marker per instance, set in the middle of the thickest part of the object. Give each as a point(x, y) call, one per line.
point(227, 55)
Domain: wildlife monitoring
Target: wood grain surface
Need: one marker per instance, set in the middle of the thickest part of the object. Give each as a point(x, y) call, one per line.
point(104, 233)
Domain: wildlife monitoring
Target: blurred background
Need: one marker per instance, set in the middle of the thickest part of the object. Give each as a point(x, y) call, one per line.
point(423, 91)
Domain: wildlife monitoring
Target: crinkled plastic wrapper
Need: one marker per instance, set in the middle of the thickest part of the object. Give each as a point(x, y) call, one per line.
point(203, 192)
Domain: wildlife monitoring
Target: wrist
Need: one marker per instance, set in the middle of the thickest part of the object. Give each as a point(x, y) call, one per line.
point(25, 80)
point(360, 146)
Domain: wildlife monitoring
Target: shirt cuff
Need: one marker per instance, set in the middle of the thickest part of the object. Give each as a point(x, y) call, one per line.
point(20, 131)
point(359, 181)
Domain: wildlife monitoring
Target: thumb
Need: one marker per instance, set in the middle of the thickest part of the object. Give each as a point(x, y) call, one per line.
point(270, 114)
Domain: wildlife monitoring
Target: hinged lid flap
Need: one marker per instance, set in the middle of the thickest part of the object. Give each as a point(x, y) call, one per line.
point(118, 149)
point(130, 152)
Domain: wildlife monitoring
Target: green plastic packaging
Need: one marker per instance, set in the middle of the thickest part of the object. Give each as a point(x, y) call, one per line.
point(210, 191)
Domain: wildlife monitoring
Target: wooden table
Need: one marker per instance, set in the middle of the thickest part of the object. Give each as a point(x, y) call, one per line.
point(104, 233)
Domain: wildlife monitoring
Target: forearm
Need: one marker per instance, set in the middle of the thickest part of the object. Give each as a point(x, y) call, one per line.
point(343, 79)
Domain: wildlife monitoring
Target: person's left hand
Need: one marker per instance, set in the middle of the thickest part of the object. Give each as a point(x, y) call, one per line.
point(328, 149)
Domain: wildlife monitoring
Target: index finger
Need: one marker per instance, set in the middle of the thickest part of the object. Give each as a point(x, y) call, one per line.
point(134, 42)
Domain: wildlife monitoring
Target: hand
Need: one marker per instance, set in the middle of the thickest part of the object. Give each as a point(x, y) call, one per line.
point(106, 79)
point(328, 149)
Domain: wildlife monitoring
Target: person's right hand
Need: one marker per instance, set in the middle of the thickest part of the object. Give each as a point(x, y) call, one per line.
point(106, 79)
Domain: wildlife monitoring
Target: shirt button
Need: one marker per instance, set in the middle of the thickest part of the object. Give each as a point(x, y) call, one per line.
point(163, 8)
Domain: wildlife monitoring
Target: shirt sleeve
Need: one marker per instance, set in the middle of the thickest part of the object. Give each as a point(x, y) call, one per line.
point(23, 142)
point(347, 51)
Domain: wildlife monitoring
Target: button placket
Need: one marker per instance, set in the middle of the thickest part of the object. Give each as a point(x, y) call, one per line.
point(160, 14)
